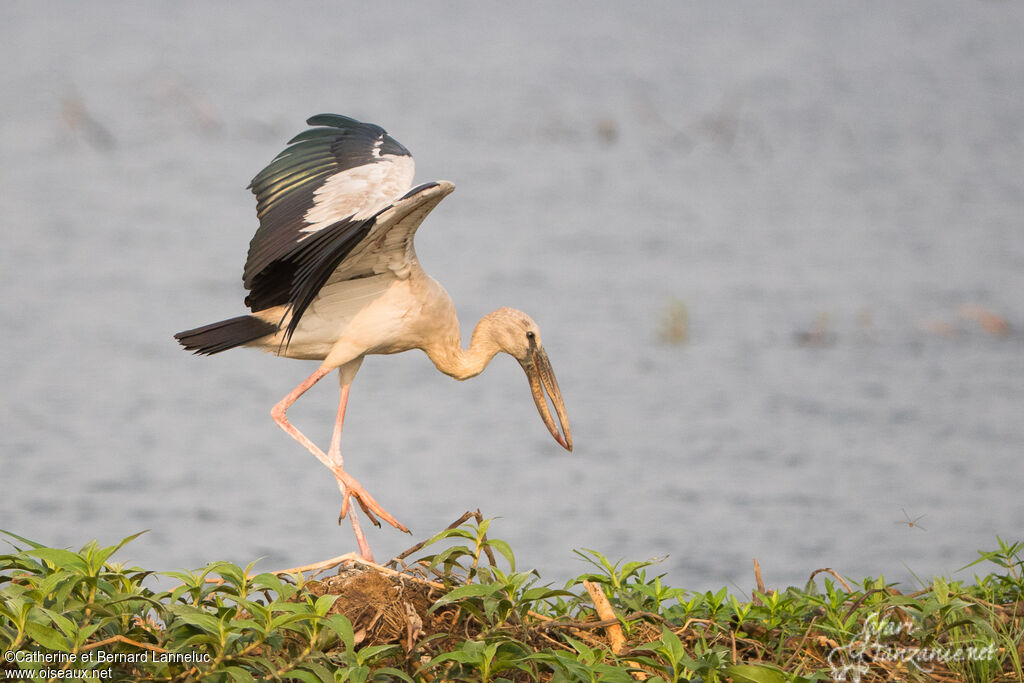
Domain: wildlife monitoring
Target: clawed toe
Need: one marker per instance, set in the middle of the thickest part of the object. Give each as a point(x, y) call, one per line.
point(365, 508)
point(350, 488)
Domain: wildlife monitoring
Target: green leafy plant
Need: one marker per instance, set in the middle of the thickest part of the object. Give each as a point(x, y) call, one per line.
point(67, 613)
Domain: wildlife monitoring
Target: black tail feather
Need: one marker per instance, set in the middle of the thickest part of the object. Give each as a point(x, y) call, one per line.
point(224, 335)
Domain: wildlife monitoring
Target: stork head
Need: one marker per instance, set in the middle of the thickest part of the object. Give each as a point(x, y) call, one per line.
point(516, 334)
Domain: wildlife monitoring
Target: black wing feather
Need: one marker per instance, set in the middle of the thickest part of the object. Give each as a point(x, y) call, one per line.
point(285, 191)
point(297, 278)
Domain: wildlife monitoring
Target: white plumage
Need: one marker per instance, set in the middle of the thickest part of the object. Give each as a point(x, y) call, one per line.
point(360, 192)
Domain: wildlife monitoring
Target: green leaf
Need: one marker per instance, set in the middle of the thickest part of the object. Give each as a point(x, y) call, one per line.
point(21, 538)
point(66, 626)
point(188, 578)
point(673, 645)
point(459, 656)
point(454, 533)
point(46, 637)
point(302, 675)
point(482, 528)
point(321, 672)
point(473, 590)
point(201, 639)
point(60, 558)
point(506, 551)
point(631, 568)
point(543, 593)
point(340, 624)
point(755, 673)
point(194, 617)
point(231, 573)
point(287, 619)
point(391, 674)
point(102, 555)
point(585, 654)
point(450, 555)
point(255, 609)
point(55, 580)
point(323, 604)
point(268, 581)
point(239, 674)
point(241, 625)
point(86, 631)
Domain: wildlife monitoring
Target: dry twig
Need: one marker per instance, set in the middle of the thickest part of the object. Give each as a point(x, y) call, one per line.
point(829, 570)
point(605, 612)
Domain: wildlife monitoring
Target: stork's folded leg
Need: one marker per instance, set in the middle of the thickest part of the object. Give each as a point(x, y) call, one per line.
point(279, 413)
point(346, 483)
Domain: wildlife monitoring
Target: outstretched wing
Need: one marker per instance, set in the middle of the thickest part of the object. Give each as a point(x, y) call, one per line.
point(388, 246)
point(319, 195)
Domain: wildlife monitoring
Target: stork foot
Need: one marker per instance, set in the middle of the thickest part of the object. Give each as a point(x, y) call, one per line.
point(350, 488)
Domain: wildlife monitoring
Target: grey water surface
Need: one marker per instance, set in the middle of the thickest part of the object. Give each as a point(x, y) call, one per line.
point(830, 191)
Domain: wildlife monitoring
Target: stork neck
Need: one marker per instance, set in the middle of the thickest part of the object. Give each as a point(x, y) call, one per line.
point(454, 361)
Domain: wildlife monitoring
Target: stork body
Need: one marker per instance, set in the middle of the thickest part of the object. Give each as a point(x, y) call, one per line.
point(332, 276)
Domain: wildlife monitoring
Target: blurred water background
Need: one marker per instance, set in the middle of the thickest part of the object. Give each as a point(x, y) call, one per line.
point(776, 252)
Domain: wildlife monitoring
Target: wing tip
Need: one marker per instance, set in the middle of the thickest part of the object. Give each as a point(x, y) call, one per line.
point(439, 187)
point(333, 120)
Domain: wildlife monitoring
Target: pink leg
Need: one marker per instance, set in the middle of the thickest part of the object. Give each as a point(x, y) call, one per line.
point(279, 413)
point(346, 483)
point(334, 453)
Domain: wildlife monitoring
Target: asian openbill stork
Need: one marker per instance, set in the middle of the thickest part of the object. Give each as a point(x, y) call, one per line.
point(332, 276)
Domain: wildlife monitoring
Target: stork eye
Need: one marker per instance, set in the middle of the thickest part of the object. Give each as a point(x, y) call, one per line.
point(530, 335)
